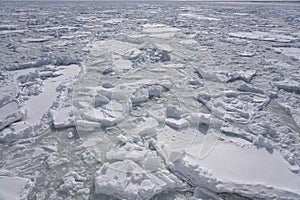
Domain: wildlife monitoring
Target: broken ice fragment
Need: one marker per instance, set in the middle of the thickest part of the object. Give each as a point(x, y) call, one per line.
point(16, 131)
point(62, 118)
point(155, 90)
point(173, 112)
point(177, 123)
point(289, 86)
point(10, 113)
point(100, 100)
point(100, 116)
point(55, 160)
point(248, 88)
point(106, 93)
point(107, 85)
point(127, 180)
point(199, 118)
point(203, 97)
point(139, 96)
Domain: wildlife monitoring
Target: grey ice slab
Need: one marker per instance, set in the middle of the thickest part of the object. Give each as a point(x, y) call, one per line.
point(10, 113)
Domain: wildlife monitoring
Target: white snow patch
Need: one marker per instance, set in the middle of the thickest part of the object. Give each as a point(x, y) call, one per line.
point(14, 188)
point(232, 168)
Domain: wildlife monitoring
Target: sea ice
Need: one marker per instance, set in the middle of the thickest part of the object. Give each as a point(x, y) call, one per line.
point(130, 181)
point(177, 123)
point(63, 117)
point(10, 113)
point(139, 96)
point(264, 36)
point(173, 112)
point(14, 188)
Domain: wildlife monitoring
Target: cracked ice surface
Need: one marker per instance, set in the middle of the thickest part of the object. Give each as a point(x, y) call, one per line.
point(149, 101)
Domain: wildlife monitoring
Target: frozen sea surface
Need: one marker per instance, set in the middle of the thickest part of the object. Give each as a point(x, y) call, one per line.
point(151, 100)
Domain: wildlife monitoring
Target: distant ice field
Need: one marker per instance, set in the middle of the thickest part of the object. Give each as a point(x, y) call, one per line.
point(149, 100)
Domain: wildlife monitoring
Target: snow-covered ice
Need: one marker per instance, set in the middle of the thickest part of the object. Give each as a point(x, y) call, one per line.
point(14, 188)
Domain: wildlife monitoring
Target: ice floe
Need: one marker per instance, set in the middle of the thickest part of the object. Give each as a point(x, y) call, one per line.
point(263, 36)
point(16, 188)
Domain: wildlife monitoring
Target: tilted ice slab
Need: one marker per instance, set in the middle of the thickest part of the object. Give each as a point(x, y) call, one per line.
point(225, 76)
point(289, 86)
point(10, 113)
point(247, 170)
point(263, 36)
point(14, 188)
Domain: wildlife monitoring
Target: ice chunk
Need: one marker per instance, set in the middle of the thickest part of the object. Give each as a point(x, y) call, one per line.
point(55, 160)
point(16, 131)
point(72, 183)
point(100, 116)
point(147, 127)
point(195, 83)
point(203, 193)
point(10, 113)
point(199, 118)
point(87, 126)
point(248, 88)
point(247, 75)
point(127, 180)
point(139, 96)
point(230, 77)
point(107, 85)
point(106, 92)
point(100, 100)
point(155, 90)
point(261, 141)
point(152, 163)
point(173, 112)
point(245, 53)
point(225, 76)
point(8, 27)
point(122, 65)
point(35, 40)
point(177, 123)
point(63, 117)
point(203, 97)
point(289, 86)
